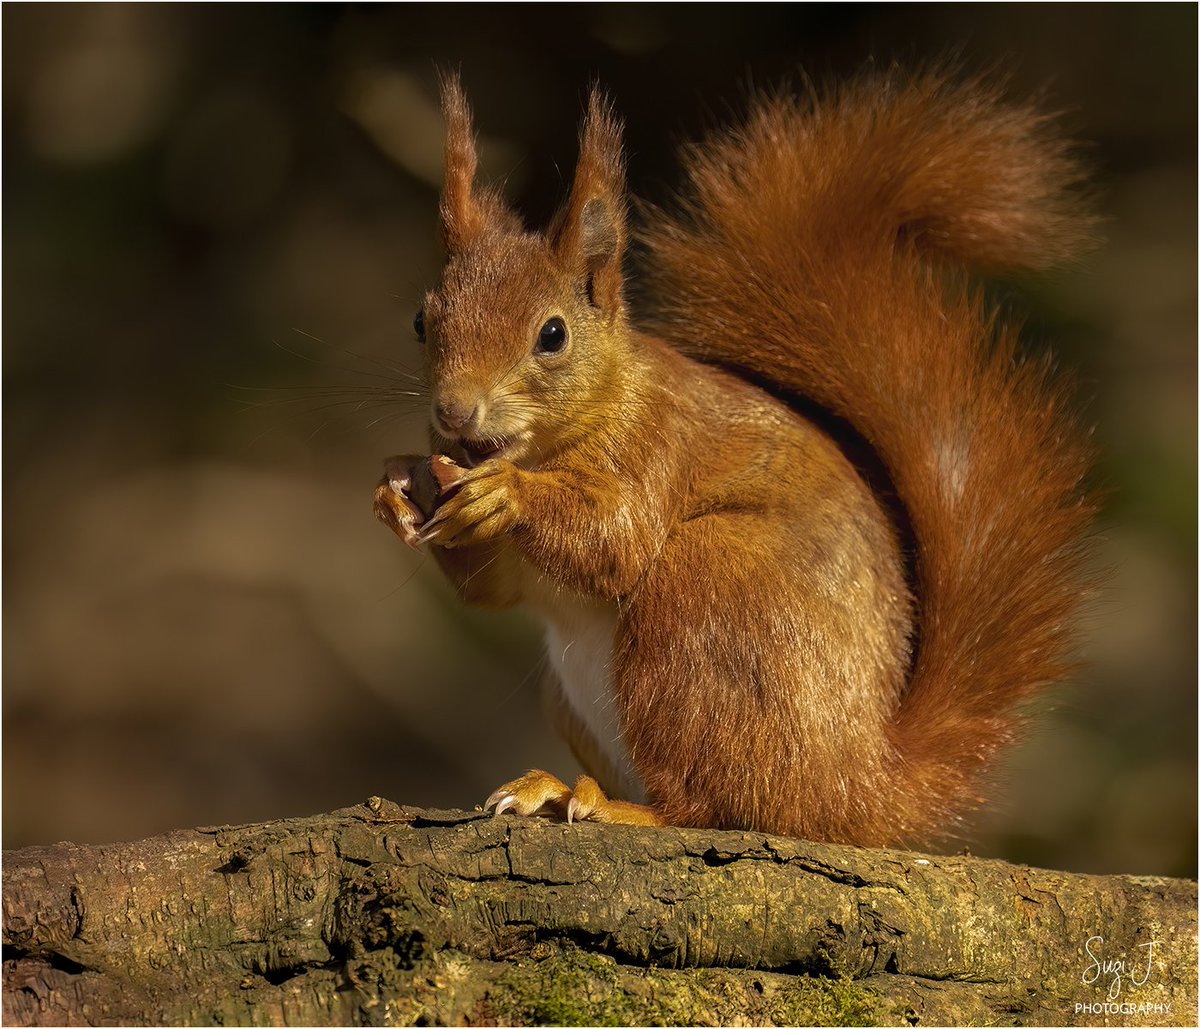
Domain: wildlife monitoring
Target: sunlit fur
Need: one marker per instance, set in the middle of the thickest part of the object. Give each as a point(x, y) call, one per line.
point(771, 670)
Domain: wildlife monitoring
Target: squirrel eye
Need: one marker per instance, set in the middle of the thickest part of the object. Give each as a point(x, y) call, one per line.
point(552, 337)
point(419, 326)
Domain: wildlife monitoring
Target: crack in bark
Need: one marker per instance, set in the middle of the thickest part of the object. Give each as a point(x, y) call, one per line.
point(715, 858)
point(52, 958)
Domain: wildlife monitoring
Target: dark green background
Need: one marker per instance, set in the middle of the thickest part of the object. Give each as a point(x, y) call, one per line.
point(213, 215)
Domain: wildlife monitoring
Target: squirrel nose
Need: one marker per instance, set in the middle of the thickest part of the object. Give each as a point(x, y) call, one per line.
point(454, 415)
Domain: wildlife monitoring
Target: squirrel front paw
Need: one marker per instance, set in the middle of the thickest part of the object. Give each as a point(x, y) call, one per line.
point(484, 505)
point(411, 490)
point(394, 505)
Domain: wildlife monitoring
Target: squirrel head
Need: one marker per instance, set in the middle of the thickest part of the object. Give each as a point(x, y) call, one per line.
point(525, 331)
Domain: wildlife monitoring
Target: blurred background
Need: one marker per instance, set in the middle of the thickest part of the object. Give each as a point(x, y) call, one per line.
point(217, 223)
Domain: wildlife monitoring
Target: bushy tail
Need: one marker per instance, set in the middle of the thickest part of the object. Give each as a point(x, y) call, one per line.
point(822, 248)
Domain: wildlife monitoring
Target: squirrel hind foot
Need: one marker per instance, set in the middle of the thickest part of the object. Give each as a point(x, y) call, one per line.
point(540, 793)
point(534, 793)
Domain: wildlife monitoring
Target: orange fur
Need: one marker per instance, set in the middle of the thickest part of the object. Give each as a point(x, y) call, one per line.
point(769, 663)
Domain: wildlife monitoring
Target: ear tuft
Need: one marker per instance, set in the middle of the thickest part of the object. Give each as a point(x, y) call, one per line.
point(461, 216)
point(589, 233)
point(466, 211)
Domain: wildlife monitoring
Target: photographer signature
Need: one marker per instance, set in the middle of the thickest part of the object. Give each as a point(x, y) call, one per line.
point(1116, 969)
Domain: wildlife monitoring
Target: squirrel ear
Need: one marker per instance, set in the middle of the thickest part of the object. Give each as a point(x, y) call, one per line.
point(589, 234)
point(462, 216)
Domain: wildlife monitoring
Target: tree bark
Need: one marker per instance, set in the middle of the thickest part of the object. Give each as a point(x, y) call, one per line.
point(382, 914)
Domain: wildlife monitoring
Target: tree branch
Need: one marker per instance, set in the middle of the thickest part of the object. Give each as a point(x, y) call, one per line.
point(382, 913)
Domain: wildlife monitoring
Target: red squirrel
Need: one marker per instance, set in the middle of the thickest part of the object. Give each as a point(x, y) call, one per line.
point(746, 626)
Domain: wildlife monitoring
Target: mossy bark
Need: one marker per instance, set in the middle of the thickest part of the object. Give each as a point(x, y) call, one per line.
point(381, 914)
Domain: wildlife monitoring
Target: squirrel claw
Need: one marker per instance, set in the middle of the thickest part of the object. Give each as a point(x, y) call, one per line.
point(501, 801)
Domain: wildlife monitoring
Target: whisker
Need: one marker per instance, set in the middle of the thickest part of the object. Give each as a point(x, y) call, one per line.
point(397, 368)
point(388, 416)
point(405, 581)
point(537, 667)
point(330, 398)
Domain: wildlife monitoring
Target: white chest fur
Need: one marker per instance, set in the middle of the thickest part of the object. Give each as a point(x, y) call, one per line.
point(579, 647)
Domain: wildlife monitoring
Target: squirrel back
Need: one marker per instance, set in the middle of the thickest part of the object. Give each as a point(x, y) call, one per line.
point(824, 249)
